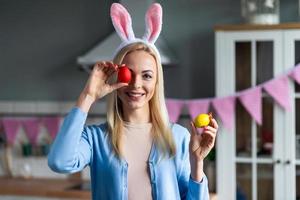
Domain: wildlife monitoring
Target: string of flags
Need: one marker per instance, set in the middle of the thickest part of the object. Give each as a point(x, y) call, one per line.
point(31, 127)
point(251, 99)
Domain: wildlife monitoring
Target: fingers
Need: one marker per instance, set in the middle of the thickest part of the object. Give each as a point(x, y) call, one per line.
point(214, 123)
point(210, 128)
point(113, 69)
point(108, 67)
point(210, 134)
point(104, 63)
point(194, 130)
point(98, 66)
point(118, 85)
point(104, 70)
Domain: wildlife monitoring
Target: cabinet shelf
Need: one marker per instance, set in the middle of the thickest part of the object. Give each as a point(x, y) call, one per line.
point(256, 27)
point(254, 160)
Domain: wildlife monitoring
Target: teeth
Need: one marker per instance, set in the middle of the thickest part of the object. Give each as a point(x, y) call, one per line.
point(134, 94)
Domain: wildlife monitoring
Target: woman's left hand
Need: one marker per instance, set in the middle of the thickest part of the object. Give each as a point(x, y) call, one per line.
point(201, 144)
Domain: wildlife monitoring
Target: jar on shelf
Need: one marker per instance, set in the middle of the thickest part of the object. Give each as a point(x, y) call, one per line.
point(261, 11)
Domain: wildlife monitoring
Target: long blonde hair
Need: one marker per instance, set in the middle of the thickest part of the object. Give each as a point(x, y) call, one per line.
point(158, 112)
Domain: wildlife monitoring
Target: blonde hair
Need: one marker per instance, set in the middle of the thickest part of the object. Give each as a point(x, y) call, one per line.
point(158, 112)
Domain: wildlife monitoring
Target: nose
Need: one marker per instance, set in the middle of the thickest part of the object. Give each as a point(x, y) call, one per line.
point(136, 81)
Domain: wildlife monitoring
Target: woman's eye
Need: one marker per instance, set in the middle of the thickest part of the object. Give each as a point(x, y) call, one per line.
point(147, 76)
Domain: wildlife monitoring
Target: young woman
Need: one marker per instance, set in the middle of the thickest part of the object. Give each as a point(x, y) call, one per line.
point(137, 153)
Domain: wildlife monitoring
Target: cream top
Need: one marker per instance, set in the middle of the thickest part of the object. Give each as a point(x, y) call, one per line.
point(137, 146)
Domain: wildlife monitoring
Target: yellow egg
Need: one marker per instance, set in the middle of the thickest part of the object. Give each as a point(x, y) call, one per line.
point(202, 120)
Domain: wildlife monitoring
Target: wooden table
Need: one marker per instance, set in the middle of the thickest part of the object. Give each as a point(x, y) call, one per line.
point(59, 188)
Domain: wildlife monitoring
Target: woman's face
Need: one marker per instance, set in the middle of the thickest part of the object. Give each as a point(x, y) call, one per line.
point(143, 80)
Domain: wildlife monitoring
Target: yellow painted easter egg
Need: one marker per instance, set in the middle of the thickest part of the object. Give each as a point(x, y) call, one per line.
point(202, 120)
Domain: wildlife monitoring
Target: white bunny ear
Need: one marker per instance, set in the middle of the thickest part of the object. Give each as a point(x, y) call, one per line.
point(153, 20)
point(122, 21)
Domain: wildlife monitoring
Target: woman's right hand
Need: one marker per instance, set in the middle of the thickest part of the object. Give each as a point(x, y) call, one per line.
point(97, 85)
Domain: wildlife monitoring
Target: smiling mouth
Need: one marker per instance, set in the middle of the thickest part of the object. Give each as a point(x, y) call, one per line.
point(134, 95)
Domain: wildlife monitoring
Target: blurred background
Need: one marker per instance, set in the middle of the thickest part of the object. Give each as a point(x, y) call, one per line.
point(47, 48)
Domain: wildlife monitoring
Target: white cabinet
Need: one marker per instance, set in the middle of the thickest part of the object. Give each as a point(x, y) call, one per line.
point(258, 162)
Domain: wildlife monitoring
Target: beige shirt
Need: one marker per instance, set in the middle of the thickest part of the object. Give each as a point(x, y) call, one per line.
point(137, 145)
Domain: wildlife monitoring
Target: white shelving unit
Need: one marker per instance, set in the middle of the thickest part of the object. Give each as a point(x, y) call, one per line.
point(258, 162)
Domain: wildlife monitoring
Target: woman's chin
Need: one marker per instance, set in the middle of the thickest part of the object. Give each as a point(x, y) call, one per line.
point(135, 105)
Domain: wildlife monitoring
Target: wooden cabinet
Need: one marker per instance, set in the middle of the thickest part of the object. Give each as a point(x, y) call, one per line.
point(258, 162)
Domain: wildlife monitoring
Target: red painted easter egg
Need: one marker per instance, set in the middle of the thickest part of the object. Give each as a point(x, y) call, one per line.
point(124, 74)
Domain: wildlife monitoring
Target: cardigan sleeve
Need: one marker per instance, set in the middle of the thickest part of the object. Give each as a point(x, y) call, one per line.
point(190, 189)
point(72, 148)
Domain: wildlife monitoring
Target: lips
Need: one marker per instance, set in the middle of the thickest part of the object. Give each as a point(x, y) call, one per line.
point(135, 96)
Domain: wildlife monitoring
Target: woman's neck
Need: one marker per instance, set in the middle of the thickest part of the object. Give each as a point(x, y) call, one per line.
point(137, 116)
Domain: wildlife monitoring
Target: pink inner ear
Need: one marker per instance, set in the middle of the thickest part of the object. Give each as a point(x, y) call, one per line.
point(152, 30)
point(154, 18)
point(121, 20)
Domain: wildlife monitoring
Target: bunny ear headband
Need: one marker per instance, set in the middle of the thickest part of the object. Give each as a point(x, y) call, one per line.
point(121, 20)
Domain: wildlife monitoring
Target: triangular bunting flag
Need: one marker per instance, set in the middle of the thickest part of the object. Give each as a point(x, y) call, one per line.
point(251, 100)
point(11, 127)
point(225, 108)
point(295, 74)
point(197, 107)
point(174, 109)
point(52, 125)
point(31, 127)
point(279, 89)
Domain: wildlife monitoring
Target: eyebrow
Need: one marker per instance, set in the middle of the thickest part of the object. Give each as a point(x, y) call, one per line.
point(145, 71)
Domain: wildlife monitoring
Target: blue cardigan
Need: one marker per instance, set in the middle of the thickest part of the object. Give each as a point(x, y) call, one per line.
point(77, 146)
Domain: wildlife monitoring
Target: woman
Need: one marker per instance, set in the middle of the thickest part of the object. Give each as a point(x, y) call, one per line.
point(137, 153)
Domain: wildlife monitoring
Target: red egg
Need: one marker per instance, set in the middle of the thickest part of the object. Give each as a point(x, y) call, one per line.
point(124, 74)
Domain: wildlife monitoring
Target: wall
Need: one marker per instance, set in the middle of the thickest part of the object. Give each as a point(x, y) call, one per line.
point(40, 41)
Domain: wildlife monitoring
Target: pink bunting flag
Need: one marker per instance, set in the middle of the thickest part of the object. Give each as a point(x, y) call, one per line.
point(225, 108)
point(279, 89)
point(31, 127)
point(174, 108)
point(11, 127)
point(252, 102)
point(295, 74)
point(52, 125)
point(197, 107)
